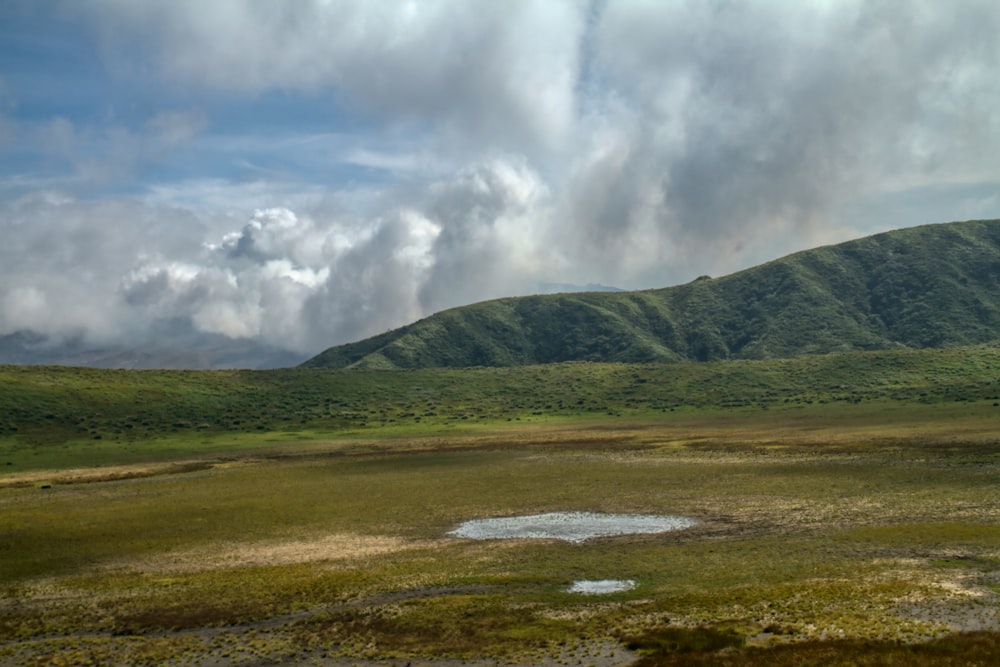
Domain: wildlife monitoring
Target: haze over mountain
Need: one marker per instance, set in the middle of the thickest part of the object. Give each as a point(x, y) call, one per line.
point(294, 175)
point(929, 286)
point(177, 347)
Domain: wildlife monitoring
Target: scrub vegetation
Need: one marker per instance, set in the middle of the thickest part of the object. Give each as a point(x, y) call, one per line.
point(52, 417)
point(847, 513)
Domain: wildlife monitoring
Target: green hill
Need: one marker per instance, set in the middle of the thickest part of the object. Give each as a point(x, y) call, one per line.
point(123, 415)
point(932, 286)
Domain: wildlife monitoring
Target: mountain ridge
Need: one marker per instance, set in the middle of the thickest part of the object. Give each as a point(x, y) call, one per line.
point(930, 286)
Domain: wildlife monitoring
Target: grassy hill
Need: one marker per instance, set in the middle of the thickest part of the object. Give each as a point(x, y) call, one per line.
point(932, 286)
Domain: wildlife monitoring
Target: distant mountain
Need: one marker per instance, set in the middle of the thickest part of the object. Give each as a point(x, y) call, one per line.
point(557, 288)
point(186, 351)
point(920, 287)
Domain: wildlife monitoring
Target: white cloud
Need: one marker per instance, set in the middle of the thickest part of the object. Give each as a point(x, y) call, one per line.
point(506, 71)
point(401, 163)
point(302, 280)
point(25, 306)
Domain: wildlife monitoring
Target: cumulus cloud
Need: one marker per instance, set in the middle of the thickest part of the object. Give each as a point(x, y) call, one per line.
point(300, 280)
point(489, 215)
point(293, 280)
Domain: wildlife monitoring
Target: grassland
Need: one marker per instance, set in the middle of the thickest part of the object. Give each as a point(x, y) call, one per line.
point(848, 512)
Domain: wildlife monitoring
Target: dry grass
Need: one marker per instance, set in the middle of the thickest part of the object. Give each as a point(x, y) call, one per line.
point(232, 555)
point(103, 473)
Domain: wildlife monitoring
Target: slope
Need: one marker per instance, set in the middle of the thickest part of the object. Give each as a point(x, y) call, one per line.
point(923, 287)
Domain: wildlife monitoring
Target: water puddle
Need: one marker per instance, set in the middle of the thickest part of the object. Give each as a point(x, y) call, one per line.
point(570, 526)
point(601, 586)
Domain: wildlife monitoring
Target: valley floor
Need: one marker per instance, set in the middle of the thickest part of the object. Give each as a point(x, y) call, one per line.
point(852, 535)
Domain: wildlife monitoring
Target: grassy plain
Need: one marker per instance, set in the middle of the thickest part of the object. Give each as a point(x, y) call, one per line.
point(848, 514)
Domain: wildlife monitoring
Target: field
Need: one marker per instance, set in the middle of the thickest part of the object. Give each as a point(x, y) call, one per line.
point(847, 505)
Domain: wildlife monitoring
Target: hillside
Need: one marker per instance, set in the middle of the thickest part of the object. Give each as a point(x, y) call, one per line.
point(126, 412)
point(932, 286)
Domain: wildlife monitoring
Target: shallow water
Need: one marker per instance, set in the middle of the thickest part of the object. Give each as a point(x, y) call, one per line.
point(601, 586)
point(570, 526)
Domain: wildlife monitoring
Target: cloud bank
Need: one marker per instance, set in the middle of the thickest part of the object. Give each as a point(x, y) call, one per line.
point(310, 173)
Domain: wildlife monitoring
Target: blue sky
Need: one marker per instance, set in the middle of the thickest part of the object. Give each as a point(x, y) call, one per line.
point(308, 173)
point(59, 74)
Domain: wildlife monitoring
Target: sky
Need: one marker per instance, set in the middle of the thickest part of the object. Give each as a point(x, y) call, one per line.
point(313, 172)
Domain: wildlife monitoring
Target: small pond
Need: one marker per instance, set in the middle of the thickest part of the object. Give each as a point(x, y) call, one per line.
point(570, 526)
point(601, 586)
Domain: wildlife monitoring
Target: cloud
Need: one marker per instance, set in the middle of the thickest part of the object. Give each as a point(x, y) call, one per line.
point(58, 137)
point(505, 70)
point(113, 153)
point(252, 284)
point(167, 129)
point(294, 280)
point(313, 172)
point(63, 260)
point(400, 163)
point(27, 306)
point(489, 215)
point(303, 280)
point(718, 125)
